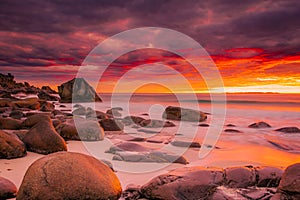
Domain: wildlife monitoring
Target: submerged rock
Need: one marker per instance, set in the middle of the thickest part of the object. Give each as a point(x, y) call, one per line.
point(129, 120)
point(154, 123)
point(66, 175)
point(230, 130)
point(259, 125)
point(8, 190)
point(77, 90)
point(190, 144)
point(289, 130)
point(11, 146)
point(184, 114)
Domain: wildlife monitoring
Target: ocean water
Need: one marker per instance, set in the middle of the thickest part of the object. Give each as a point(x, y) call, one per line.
point(251, 146)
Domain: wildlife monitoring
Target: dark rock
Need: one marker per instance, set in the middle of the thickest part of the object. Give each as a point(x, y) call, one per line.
point(268, 176)
point(290, 181)
point(127, 146)
point(67, 175)
point(16, 114)
point(46, 106)
point(48, 89)
point(111, 125)
point(77, 90)
point(42, 138)
point(280, 145)
point(79, 111)
point(46, 96)
point(203, 125)
point(153, 156)
point(154, 123)
point(240, 177)
point(85, 130)
point(21, 134)
point(34, 119)
point(56, 122)
point(229, 130)
point(178, 143)
point(8, 190)
point(259, 125)
point(184, 114)
point(62, 106)
point(90, 113)
point(10, 123)
point(231, 125)
point(129, 120)
point(114, 112)
point(185, 183)
point(11, 146)
point(289, 130)
point(31, 103)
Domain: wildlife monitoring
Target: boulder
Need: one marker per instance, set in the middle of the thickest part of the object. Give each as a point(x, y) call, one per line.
point(90, 113)
point(114, 112)
point(11, 146)
point(184, 183)
point(42, 138)
point(46, 106)
point(85, 130)
point(8, 190)
point(16, 114)
point(111, 125)
point(10, 123)
point(34, 119)
point(128, 146)
point(31, 103)
point(289, 130)
point(46, 96)
point(290, 181)
point(153, 156)
point(240, 177)
point(154, 123)
point(268, 176)
point(230, 130)
point(190, 144)
point(129, 120)
point(259, 125)
point(79, 111)
point(77, 90)
point(184, 114)
point(48, 89)
point(67, 175)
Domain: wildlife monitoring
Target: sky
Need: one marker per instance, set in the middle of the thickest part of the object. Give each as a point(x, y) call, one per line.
point(254, 44)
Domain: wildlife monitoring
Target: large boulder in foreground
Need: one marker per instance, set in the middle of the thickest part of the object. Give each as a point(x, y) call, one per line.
point(184, 183)
point(42, 138)
point(11, 146)
point(66, 175)
point(8, 190)
point(77, 90)
point(184, 114)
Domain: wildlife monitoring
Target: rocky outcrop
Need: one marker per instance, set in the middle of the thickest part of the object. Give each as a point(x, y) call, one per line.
point(11, 146)
point(42, 138)
point(47, 96)
point(260, 125)
point(184, 114)
point(8, 190)
point(77, 90)
point(66, 175)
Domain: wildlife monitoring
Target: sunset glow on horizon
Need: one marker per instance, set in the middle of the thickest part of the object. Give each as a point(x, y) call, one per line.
point(252, 55)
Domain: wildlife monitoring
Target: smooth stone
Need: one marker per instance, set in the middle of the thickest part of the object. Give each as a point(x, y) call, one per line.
point(184, 114)
point(67, 175)
point(10, 123)
point(259, 125)
point(240, 177)
point(11, 146)
point(8, 190)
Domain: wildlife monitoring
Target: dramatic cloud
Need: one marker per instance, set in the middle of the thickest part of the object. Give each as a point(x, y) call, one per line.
point(252, 42)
